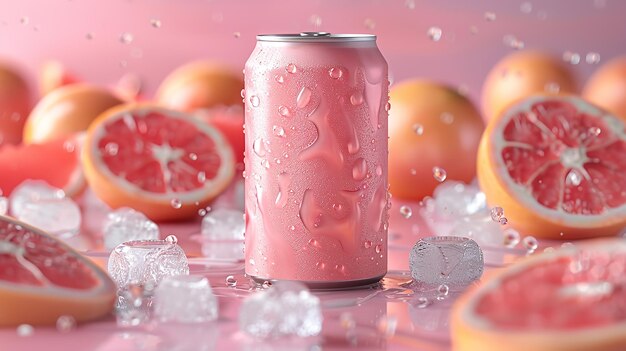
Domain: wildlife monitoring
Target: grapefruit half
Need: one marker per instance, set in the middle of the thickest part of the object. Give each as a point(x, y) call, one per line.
point(572, 299)
point(56, 162)
point(163, 163)
point(42, 279)
point(556, 165)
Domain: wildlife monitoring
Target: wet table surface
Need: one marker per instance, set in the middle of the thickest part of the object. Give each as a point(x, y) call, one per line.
point(386, 316)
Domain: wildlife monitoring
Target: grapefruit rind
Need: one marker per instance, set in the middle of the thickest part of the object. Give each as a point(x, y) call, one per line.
point(521, 208)
point(37, 305)
point(471, 332)
point(118, 192)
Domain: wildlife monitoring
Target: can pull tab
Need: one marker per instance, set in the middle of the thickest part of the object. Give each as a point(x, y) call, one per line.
point(314, 34)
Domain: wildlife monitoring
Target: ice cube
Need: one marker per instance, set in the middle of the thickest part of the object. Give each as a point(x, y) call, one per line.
point(146, 262)
point(31, 191)
point(450, 260)
point(60, 217)
point(4, 206)
point(285, 309)
point(126, 224)
point(459, 199)
point(223, 235)
point(134, 305)
point(480, 228)
point(185, 299)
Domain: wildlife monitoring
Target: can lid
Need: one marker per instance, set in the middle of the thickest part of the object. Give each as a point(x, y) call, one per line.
point(315, 37)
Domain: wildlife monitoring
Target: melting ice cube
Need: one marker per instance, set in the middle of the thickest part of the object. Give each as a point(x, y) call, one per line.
point(223, 234)
point(126, 224)
point(32, 191)
point(185, 299)
point(285, 309)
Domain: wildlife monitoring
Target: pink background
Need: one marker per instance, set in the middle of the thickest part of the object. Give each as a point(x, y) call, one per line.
point(193, 29)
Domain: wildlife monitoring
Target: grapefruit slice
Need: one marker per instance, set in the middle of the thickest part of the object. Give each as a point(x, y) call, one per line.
point(56, 162)
point(42, 279)
point(572, 299)
point(163, 163)
point(556, 165)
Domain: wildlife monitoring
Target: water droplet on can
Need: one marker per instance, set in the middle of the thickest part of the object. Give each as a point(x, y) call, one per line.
point(255, 101)
point(279, 79)
point(278, 131)
point(303, 97)
point(284, 111)
point(356, 98)
point(335, 73)
point(367, 244)
point(231, 281)
point(291, 68)
point(258, 147)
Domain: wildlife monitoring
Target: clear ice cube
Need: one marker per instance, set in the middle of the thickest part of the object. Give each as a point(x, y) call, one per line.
point(223, 234)
point(185, 299)
point(146, 262)
point(32, 191)
point(126, 224)
point(60, 217)
point(134, 305)
point(450, 260)
point(459, 199)
point(285, 309)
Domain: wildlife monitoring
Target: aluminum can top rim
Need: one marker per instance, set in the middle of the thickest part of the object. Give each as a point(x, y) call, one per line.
point(316, 37)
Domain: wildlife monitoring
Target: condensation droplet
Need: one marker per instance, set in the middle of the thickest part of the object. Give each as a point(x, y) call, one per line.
point(439, 174)
point(320, 265)
point(497, 213)
point(406, 211)
point(279, 79)
point(231, 281)
point(378, 248)
point(171, 239)
point(255, 101)
point(592, 58)
point(335, 73)
point(126, 38)
point(315, 243)
point(356, 98)
point(303, 98)
point(291, 68)
point(367, 244)
point(155, 23)
point(284, 111)
point(511, 237)
point(258, 147)
point(530, 244)
point(434, 33)
point(243, 93)
point(278, 131)
point(176, 203)
point(388, 106)
point(418, 129)
point(65, 324)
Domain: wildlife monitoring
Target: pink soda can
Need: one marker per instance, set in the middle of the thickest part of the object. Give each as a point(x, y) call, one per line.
point(316, 189)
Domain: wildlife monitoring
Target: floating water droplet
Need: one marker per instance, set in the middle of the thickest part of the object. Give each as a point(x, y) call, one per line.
point(126, 38)
point(89, 36)
point(490, 16)
point(201, 177)
point(552, 88)
point(497, 213)
point(335, 73)
point(410, 4)
point(530, 244)
point(237, 35)
point(418, 129)
point(511, 237)
point(291, 68)
point(231, 281)
point(406, 211)
point(378, 248)
point(422, 302)
point(258, 147)
point(176, 203)
point(25, 330)
point(303, 97)
point(24, 20)
point(155, 23)
point(65, 324)
point(446, 118)
point(413, 171)
point(243, 93)
point(439, 174)
point(592, 58)
point(171, 239)
point(571, 57)
point(367, 244)
point(595, 131)
point(284, 111)
point(356, 98)
point(255, 101)
point(201, 212)
point(278, 131)
point(573, 177)
point(279, 79)
point(111, 149)
point(434, 33)
point(526, 7)
point(513, 42)
point(193, 156)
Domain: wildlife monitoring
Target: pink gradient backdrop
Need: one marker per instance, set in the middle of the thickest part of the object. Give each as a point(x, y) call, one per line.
point(193, 29)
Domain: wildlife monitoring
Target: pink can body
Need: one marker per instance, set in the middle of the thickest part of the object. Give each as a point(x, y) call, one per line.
point(316, 189)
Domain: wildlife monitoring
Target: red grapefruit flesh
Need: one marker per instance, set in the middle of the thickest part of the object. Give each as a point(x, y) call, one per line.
point(556, 165)
point(56, 162)
point(567, 300)
point(42, 279)
point(163, 163)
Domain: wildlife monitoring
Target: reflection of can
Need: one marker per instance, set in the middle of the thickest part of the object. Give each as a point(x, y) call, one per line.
point(316, 159)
